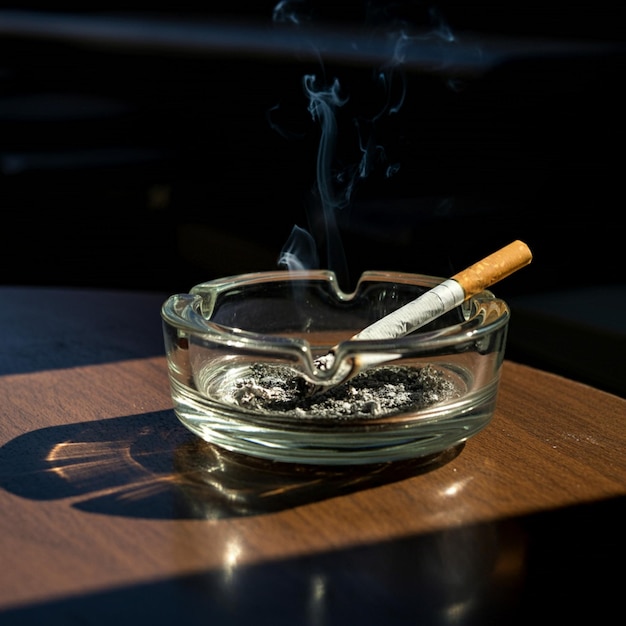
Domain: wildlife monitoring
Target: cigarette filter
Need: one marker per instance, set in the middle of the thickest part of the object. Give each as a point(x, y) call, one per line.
point(450, 293)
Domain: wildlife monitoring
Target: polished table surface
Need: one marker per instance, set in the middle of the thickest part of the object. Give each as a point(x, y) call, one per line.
point(112, 512)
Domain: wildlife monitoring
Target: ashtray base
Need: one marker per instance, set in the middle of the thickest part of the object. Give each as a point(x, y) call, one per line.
point(296, 436)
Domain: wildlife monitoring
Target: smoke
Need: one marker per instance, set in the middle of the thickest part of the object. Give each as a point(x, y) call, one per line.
point(338, 175)
point(292, 12)
point(300, 252)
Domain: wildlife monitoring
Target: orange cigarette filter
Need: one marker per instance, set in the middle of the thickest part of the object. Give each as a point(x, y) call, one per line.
point(493, 268)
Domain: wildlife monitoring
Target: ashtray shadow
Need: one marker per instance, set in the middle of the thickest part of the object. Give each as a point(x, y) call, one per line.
point(149, 466)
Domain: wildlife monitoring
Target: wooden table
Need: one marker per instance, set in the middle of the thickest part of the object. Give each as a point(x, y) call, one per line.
point(112, 512)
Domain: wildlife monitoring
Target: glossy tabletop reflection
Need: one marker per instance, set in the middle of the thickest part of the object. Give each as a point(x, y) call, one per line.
point(113, 512)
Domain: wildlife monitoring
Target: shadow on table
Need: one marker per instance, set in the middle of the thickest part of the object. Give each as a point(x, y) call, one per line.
point(149, 466)
point(556, 565)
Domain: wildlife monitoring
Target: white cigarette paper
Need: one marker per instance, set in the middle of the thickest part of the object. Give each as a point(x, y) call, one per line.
point(450, 293)
point(435, 302)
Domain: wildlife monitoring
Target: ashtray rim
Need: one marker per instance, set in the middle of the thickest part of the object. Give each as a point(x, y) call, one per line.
point(201, 298)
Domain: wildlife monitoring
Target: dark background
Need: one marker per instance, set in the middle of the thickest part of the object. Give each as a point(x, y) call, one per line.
point(141, 167)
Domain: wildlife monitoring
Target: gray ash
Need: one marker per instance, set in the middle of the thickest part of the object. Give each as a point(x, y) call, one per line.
point(373, 393)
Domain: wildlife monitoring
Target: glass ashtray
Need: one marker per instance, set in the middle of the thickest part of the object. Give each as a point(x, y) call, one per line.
point(241, 354)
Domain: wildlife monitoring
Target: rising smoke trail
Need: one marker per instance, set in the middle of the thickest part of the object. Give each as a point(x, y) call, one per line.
point(335, 182)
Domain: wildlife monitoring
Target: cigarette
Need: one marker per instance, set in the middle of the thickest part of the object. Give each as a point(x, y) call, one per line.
point(450, 293)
